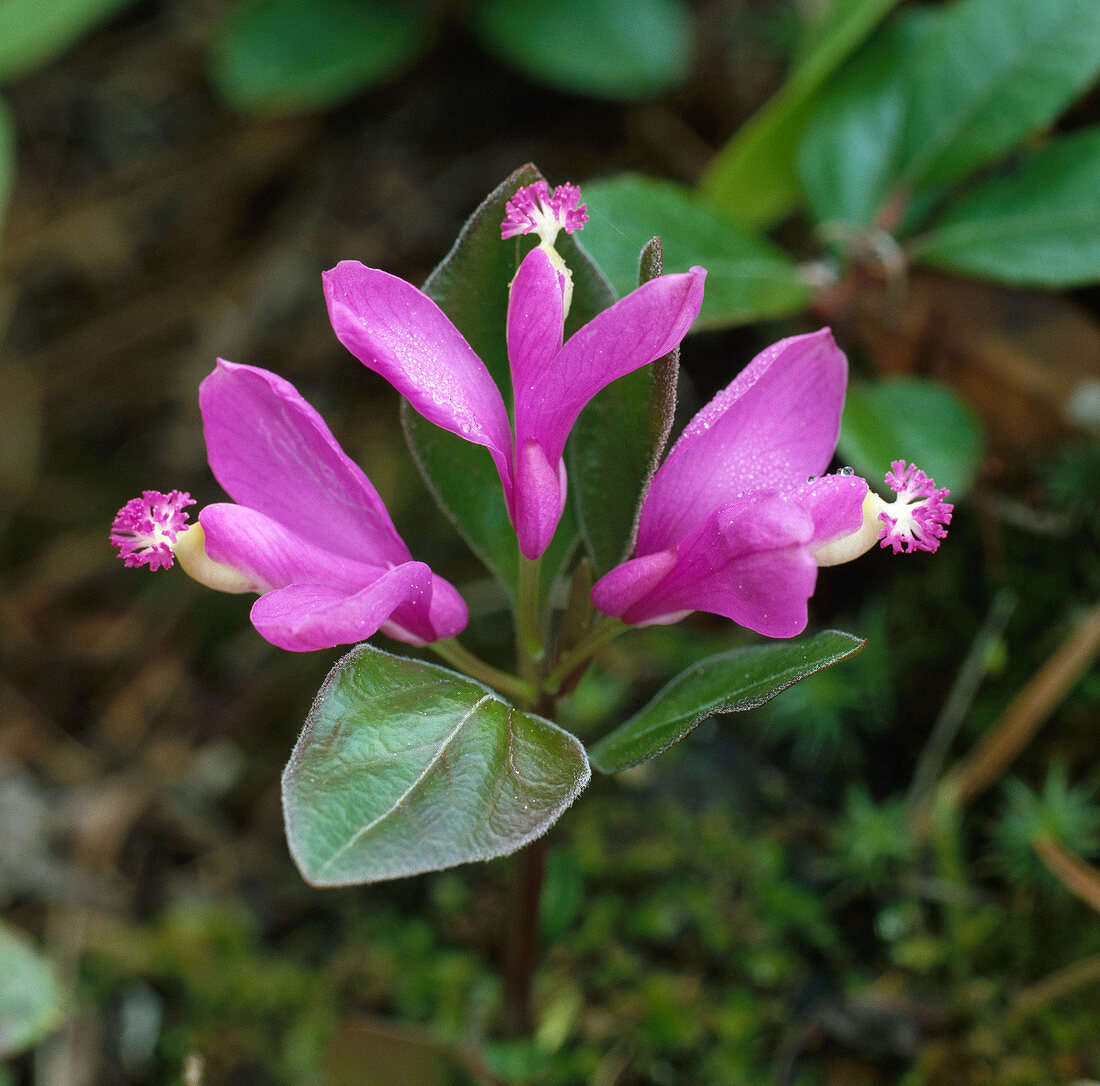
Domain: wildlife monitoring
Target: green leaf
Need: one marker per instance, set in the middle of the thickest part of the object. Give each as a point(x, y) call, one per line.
point(33, 32)
point(617, 49)
point(1037, 225)
point(405, 767)
point(848, 154)
point(730, 682)
point(993, 72)
point(753, 177)
point(470, 285)
point(7, 164)
point(294, 56)
point(748, 278)
point(30, 998)
point(911, 419)
point(616, 444)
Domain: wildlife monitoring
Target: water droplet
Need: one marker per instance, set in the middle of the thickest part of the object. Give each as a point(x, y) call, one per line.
point(811, 478)
point(846, 471)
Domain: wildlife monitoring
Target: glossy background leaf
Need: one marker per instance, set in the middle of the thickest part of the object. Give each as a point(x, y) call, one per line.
point(847, 156)
point(729, 682)
point(34, 31)
point(616, 444)
point(30, 999)
point(748, 278)
point(993, 72)
point(753, 178)
point(293, 56)
point(619, 49)
point(1038, 224)
point(911, 419)
point(405, 767)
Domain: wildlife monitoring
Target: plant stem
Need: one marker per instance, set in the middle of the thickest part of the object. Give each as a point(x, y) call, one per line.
point(451, 651)
point(530, 652)
point(602, 635)
point(520, 955)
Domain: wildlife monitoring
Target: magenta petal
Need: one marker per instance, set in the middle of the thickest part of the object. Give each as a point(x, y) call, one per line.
point(445, 615)
point(535, 318)
point(271, 451)
point(774, 426)
point(835, 502)
point(274, 556)
point(623, 587)
point(304, 617)
point(400, 333)
point(538, 501)
point(748, 562)
point(642, 327)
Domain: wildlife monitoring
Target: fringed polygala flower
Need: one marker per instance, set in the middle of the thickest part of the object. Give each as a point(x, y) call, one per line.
point(308, 530)
point(400, 333)
point(739, 517)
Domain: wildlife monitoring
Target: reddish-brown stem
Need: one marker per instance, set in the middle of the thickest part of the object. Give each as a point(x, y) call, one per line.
point(521, 948)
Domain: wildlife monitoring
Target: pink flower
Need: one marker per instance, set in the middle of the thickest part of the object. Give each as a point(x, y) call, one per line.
point(738, 518)
point(400, 333)
point(308, 531)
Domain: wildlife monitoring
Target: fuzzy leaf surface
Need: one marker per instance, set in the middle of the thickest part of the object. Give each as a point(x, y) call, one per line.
point(405, 767)
point(730, 682)
point(616, 444)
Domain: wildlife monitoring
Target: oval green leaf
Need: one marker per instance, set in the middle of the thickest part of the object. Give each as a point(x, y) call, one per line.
point(914, 419)
point(617, 49)
point(993, 72)
point(293, 56)
point(405, 767)
point(33, 32)
point(748, 278)
point(30, 998)
point(1038, 225)
point(730, 682)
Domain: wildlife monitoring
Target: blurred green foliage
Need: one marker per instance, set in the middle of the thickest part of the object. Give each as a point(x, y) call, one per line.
point(32, 33)
point(618, 49)
point(30, 996)
point(291, 56)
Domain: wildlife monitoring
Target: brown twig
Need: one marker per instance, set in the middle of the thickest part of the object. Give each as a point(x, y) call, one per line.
point(1044, 992)
point(1029, 710)
point(1079, 878)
